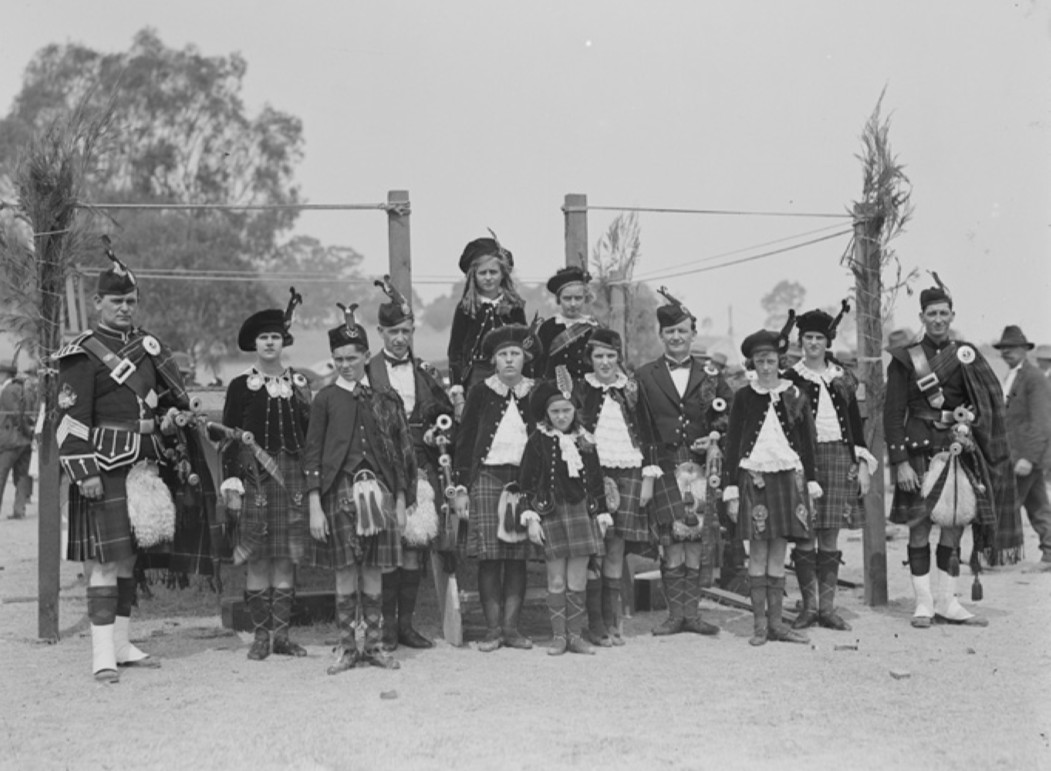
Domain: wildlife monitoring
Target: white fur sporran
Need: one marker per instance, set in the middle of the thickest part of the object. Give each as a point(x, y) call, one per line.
point(373, 503)
point(507, 515)
point(421, 523)
point(957, 504)
point(151, 510)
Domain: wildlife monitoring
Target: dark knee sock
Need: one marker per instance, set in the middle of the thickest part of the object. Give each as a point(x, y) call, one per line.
point(102, 604)
point(942, 556)
point(490, 591)
point(919, 560)
point(126, 599)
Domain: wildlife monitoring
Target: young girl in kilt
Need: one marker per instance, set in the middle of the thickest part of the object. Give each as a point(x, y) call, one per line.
point(272, 402)
point(564, 338)
point(843, 465)
point(490, 442)
point(770, 478)
point(561, 481)
point(490, 301)
point(609, 411)
point(361, 476)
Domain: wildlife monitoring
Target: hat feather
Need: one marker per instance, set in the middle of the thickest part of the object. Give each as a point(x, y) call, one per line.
point(295, 299)
point(844, 308)
point(348, 315)
point(564, 381)
point(118, 266)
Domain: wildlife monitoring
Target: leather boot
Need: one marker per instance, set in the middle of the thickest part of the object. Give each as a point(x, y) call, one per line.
point(407, 593)
point(674, 584)
point(828, 575)
point(575, 614)
point(346, 617)
point(258, 602)
point(611, 609)
point(374, 655)
point(102, 611)
point(596, 632)
point(777, 629)
point(281, 604)
point(128, 655)
point(490, 591)
point(691, 605)
point(806, 562)
point(391, 587)
point(556, 607)
point(757, 589)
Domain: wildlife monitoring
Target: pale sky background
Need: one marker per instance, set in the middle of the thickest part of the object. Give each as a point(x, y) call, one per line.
point(490, 112)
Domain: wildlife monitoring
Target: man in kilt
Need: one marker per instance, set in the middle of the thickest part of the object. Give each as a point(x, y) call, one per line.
point(844, 466)
point(264, 481)
point(942, 396)
point(361, 475)
point(684, 410)
point(423, 400)
point(117, 385)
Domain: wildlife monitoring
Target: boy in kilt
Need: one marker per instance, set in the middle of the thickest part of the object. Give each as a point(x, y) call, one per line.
point(942, 392)
point(844, 466)
point(770, 478)
point(566, 515)
point(490, 442)
point(361, 476)
point(610, 411)
point(272, 402)
point(423, 400)
point(117, 386)
point(684, 407)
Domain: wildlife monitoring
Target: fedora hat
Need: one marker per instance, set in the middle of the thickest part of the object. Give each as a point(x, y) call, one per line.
point(1013, 337)
point(1043, 351)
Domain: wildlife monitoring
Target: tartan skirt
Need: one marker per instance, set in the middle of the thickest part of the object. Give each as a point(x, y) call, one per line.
point(483, 522)
point(570, 532)
point(629, 520)
point(840, 505)
point(275, 519)
point(100, 530)
point(774, 505)
point(344, 547)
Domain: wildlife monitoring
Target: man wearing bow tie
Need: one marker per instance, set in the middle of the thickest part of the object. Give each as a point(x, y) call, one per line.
point(423, 399)
point(685, 408)
point(1028, 417)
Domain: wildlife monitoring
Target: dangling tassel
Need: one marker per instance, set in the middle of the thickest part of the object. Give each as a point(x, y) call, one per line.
point(976, 586)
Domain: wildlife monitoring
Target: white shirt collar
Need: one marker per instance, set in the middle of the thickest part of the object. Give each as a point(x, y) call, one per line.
point(592, 380)
point(351, 385)
point(560, 319)
point(521, 390)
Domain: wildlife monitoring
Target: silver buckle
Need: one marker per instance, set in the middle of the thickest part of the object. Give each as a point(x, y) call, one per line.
point(122, 371)
point(927, 382)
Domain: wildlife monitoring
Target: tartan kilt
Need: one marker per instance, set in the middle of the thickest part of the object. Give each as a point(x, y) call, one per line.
point(910, 508)
point(840, 505)
point(275, 519)
point(483, 522)
point(779, 509)
point(570, 532)
point(344, 547)
point(100, 530)
point(667, 505)
point(629, 520)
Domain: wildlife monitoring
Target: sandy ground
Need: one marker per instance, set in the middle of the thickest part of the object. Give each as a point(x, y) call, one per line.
point(977, 698)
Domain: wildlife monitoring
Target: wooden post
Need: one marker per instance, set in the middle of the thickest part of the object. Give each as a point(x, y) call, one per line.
point(49, 534)
point(399, 245)
point(868, 298)
point(575, 209)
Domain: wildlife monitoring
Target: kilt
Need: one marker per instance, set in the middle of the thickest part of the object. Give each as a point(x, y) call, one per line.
point(629, 520)
point(570, 532)
point(779, 509)
point(910, 508)
point(839, 506)
point(100, 530)
point(483, 523)
point(344, 547)
point(275, 519)
point(667, 505)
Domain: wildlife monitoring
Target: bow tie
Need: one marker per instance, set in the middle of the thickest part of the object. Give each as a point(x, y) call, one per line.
point(674, 365)
point(391, 361)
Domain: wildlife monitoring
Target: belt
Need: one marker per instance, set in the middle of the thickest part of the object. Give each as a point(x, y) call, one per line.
point(144, 427)
point(943, 418)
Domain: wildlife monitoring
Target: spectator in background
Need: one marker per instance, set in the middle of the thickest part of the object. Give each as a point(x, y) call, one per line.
point(1027, 395)
point(1043, 359)
point(17, 415)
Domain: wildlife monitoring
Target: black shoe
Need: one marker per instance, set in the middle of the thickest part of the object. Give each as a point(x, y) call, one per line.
point(697, 626)
point(285, 647)
point(516, 640)
point(668, 626)
point(380, 658)
point(805, 619)
point(260, 648)
point(347, 660)
point(390, 640)
point(410, 638)
point(830, 620)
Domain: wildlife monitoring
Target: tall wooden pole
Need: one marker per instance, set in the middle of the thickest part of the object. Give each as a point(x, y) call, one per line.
point(575, 209)
point(49, 535)
point(868, 297)
point(399, 245)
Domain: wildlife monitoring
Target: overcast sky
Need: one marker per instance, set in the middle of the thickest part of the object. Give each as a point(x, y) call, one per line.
point(490, 112)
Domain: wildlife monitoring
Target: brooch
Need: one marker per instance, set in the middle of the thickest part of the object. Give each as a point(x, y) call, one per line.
point(965, 354)
point(719, 404)
point(151, 345)
point(299, 379)
point(254, 382)
point(66, 397)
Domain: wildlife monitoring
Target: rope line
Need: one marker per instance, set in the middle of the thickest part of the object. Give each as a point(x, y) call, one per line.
point(726, 212)
point(401, 208)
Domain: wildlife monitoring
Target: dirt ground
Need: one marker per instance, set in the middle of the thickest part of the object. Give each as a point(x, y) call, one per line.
point(977, 698)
